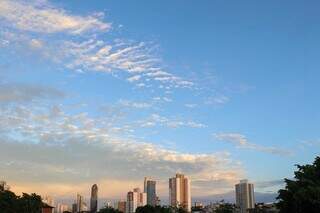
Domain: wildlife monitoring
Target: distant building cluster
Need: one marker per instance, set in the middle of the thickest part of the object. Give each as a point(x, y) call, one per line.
point(179, 197)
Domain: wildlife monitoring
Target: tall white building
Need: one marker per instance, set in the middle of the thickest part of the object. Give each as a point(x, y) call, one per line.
point(61, 208)
point(135, 199)
point(245, 196)
point(179, 192)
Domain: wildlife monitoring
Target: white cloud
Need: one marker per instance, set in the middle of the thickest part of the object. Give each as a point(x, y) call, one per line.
point(15, 92)
point(134, 78)
point(310, 143)
point(135, 61)
point(138, 105)
point(241, 141)
point(80, 150)
point(191, 105)
point(162, 99)
point(35, 43)
point(217, 100)
point(158, 120)
point(35, 16)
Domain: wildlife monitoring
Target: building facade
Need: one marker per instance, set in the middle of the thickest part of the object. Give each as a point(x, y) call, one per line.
point(179, 192)
point(49, 201)
point(135, 199)
point(244, 196)
point(62, 208)
point(81, 205)
point(122, 206)
point(150, 190)
point(94, 198)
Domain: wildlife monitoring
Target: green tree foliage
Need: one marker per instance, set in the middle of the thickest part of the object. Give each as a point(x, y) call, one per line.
point(10, 203)
point(302, 194)
point(108, 209)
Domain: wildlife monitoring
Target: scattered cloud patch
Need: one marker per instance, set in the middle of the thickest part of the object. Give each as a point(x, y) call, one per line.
point(81, 149)
point(41, 17)
point(310, 143)
point(191, 105)
point(158, 120)
point(16, 92)
point(217, 100)
point(241, 141)
point(268, 184)
point(134, 78)
point(138, 105)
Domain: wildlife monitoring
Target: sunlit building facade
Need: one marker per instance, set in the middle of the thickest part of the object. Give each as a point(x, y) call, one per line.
point(179, 192)
point(244, 196)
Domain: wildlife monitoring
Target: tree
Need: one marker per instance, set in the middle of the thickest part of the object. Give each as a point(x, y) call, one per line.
point(225, 208)
point(30, 203)
point(302, 194)
point(108, 209)
point(159, 209)
point(10, 203)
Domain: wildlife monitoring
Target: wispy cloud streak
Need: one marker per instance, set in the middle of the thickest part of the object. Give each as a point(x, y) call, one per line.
point(241, 141)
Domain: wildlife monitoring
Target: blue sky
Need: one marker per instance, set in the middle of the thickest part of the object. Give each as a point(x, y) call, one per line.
point(219, 90)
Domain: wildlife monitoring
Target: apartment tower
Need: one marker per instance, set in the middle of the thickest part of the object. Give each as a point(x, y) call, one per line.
point(179, 192)
point(244, 196)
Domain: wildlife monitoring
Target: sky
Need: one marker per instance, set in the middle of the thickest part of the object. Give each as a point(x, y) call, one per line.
point(109, 92)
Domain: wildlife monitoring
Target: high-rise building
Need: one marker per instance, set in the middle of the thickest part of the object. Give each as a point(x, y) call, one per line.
point(145, 184)
point(62, 208)
point(122, 206)
point(135, 199)
point(179, 192)
point(150, 190)
point(94, 198)
point(244, 196)
point(81, 205)
point(74, 208)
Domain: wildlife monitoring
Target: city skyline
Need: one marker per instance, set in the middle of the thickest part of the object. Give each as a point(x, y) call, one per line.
point(108, 93)
point(179, 196)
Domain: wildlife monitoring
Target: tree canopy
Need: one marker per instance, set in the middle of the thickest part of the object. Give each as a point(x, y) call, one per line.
point(159, 209)
point(302, 194)
point(108, 209)
point(225, 208)
point(11, 203)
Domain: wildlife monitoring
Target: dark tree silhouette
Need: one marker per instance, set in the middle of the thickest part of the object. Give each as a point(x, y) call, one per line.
point(302, 194)
point(159, 209)
point(10, 203)
point(225, 208)
point(30, 203)
point(109, 210)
